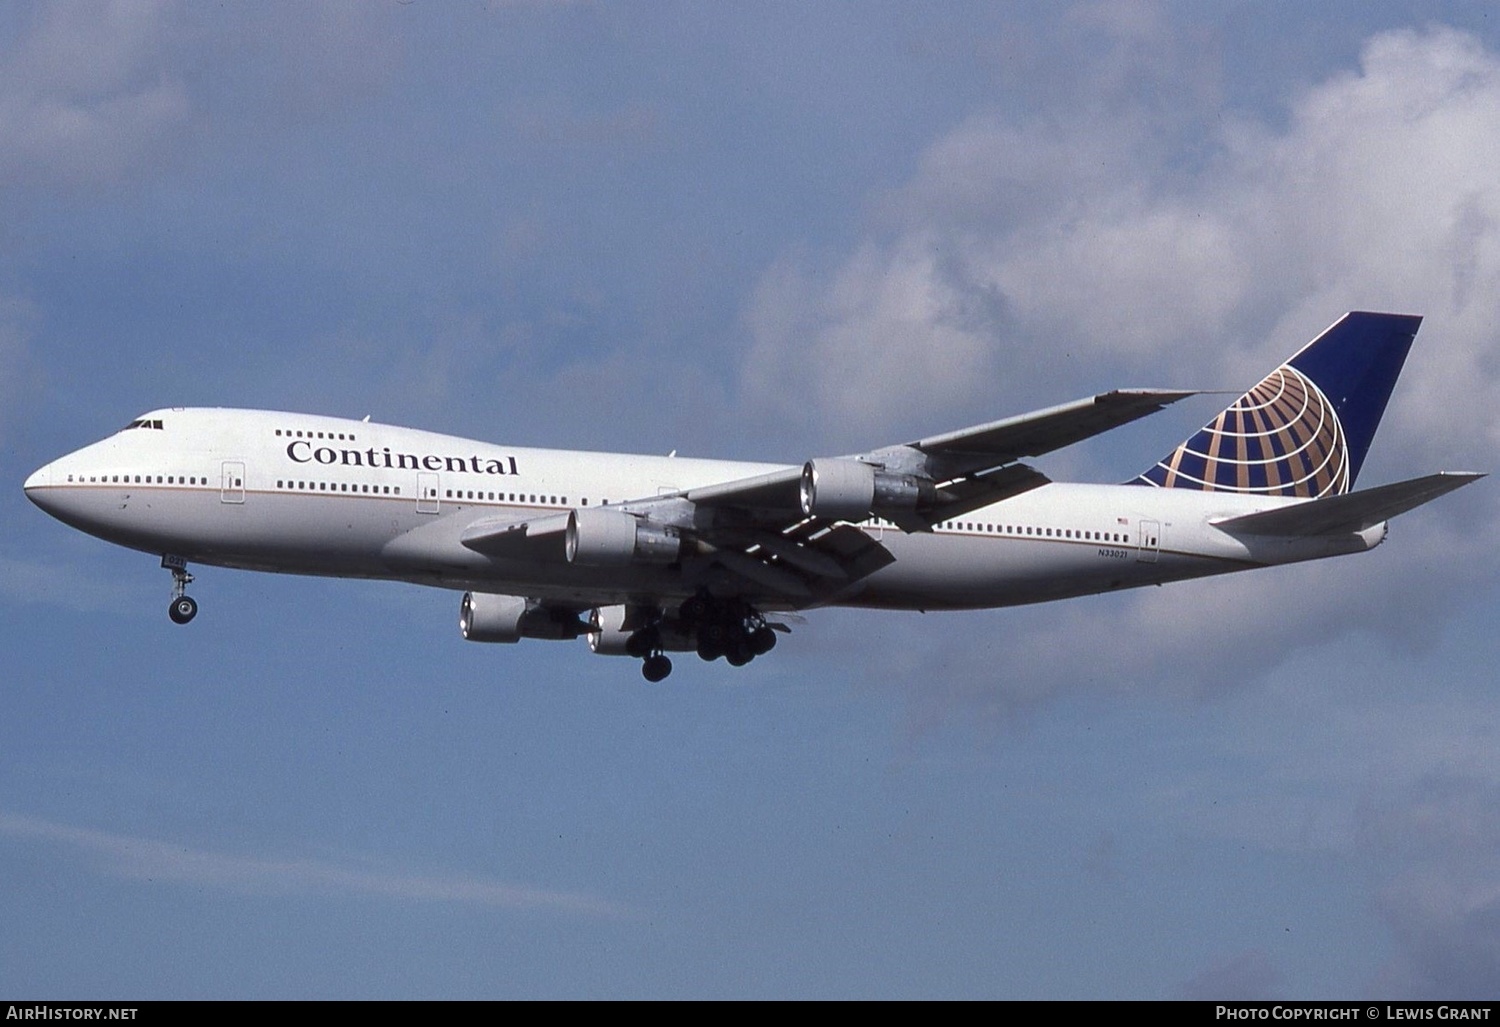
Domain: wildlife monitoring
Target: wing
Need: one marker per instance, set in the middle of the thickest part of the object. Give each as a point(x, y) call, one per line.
point(542, 539)
point(1042, 431)
point(963, 463)
point(789, 536)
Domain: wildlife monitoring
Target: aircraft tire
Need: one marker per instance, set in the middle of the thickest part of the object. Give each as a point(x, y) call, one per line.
point(762, 641)
point(656, 668)
point(182, 610)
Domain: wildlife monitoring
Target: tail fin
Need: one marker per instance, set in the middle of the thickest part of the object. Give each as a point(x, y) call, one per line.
point(1305, 429)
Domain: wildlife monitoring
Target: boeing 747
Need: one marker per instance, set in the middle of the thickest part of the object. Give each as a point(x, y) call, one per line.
point(647, 555)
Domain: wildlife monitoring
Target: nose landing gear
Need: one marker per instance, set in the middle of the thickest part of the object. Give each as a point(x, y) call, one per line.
point(183, 607)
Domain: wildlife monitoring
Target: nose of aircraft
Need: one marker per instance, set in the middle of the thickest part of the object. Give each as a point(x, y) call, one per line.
point(39, 480)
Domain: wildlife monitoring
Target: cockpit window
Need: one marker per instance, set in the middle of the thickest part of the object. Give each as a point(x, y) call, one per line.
point(143, 423)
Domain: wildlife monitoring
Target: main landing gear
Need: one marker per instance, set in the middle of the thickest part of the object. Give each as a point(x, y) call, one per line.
point(183, 608)
point(730, 628)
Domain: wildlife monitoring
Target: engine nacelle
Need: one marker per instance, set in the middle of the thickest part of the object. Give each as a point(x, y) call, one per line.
point(611, 629)
point(848, 490)
point(601, 537)
point(487, 617)
point(607, 632)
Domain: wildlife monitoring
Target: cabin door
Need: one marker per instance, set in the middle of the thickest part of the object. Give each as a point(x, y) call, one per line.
point(232, 487)
point(427, 492)
point(1149, 546)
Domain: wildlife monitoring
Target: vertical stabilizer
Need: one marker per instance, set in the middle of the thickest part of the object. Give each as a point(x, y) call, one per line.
point(1305, 429)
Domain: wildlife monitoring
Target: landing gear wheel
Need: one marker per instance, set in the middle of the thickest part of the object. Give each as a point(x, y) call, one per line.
point(182, 610)
point(656, 667)
point(643, 642)
point(762, 640)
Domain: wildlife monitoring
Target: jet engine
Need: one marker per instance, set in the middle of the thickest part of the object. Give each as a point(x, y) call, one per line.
point(601, 537)
point(487, 617)
point(848, 490)
point(623, 631)
point(608, 635)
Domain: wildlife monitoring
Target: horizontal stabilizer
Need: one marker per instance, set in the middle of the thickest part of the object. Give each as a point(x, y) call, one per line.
point(1350, 512)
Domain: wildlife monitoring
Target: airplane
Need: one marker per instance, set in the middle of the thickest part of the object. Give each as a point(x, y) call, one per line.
point(645, 555)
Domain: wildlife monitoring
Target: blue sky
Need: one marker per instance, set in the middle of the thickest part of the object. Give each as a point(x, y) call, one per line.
point(767, 231)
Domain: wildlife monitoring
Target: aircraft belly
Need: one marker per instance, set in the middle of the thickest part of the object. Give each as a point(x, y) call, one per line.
point(155, 520)
point(297, 534)
point(946, 572)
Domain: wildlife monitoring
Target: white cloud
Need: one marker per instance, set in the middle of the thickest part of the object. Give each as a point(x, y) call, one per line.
point(892, 333)
point(1095, 236)
point(1031, 255)
point(86, 95)
point(151, 859)
point(1188, 639)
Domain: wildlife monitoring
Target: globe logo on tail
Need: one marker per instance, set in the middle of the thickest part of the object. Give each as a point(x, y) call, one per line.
point(1282, 438)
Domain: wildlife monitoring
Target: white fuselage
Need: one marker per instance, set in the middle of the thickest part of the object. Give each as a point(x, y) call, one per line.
point(303, 494)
